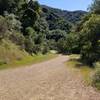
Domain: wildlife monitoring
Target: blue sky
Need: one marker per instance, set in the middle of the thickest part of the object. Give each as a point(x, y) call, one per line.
point(67, 4)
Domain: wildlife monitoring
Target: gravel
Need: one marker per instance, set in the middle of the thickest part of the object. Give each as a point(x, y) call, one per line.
point(50, 80)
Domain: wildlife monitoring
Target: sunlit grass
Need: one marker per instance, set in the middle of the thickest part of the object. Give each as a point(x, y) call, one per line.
point(29, 60)
point(78, 67)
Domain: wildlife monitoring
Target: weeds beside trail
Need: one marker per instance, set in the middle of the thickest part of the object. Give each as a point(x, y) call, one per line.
point(79, 67)
point(28, 60)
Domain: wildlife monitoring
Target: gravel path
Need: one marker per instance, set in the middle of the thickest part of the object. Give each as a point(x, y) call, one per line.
point(50, 80)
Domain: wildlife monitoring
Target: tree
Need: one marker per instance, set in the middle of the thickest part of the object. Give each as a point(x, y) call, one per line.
point(90, 52)
point(41, 25)
point(11, 6)
point(3, 28)
point(29, 45)
point(31, 11)
point(13, 23)
point(95, 7)
point(56, 34)
point(70, 44)
point(63, 25)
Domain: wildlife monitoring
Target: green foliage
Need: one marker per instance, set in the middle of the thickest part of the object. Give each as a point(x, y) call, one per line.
point(14, 24)
point(96, 78)
point(10, 52)
point(95, 7)
point(56, 34)
point(3, 28)
point(10, 29)
point(30, 13)
point(79, 26)
point(54, 15)
point(29, 44)
point(38, 29)
point(61, 46)
point(18, 39)
point(90, 51)
point(10, 6)
point(52, 44)
point(70, 44)
point(42, 26)
point(63, 25)
point(45, 49)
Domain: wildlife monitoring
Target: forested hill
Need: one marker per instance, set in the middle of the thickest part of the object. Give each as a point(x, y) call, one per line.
point(34, 28)
point(71, 16)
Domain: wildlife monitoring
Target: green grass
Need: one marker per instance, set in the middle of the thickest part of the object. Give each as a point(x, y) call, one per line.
point(80, 68)
point(29, 60)
point(11, 56)
point(91, 76)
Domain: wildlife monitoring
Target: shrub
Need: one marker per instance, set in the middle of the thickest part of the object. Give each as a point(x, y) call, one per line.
point(56, 34)
point(10, 52)
point(2, 62)
point(96, 78)
point(45, 48)
point(90, 36)
point(3, 28)
point(18, 39)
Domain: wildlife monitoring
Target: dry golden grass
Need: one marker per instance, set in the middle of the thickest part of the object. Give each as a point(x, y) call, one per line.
point(10, 52)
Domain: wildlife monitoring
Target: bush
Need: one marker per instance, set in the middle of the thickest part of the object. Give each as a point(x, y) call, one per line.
point(56, 35)
point(88, 54)
point(29, 44)
point(45, 48)
point(90, 36)
point(62, 46)
point(52, 44)
point(18, 39)
point(69, 45)
point(96, 78)
point(10, 52)
point(3, 28)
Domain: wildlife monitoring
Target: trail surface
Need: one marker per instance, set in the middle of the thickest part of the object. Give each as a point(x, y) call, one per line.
point(50, 80)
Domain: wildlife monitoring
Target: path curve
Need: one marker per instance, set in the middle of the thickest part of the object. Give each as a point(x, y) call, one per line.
point(50, 80)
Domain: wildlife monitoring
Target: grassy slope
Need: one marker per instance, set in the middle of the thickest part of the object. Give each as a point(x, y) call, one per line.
point(11, 56)
point(29, 60)
point(78, 67)
point(10, 52)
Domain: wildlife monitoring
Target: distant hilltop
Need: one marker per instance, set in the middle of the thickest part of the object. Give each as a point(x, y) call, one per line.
point(71, 16)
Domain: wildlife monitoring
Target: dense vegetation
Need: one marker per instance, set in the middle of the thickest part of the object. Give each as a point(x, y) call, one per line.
point(85, 38)
point(35, 28)
point(70, 16)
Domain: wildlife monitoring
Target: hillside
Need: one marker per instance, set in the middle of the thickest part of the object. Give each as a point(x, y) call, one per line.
point(34, 28)
point(10, 52)
point(71, 16)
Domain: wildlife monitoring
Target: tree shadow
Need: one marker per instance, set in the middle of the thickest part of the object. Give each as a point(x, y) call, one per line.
point(80, 64)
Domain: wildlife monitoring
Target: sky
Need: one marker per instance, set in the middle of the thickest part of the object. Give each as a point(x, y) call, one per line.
point(67, 4)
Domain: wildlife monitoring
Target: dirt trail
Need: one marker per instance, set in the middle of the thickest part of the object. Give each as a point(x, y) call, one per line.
point(50, 80)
